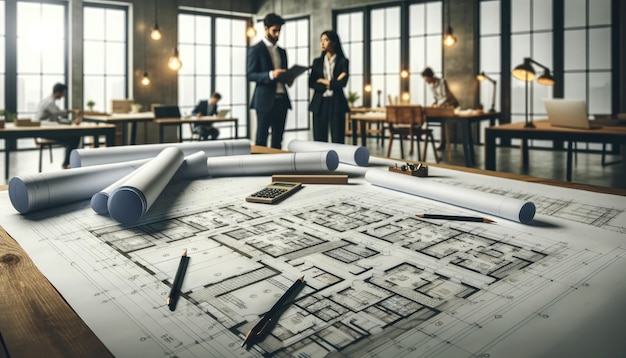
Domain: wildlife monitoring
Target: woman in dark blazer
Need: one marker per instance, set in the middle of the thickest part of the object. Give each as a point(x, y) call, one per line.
point(329, 75)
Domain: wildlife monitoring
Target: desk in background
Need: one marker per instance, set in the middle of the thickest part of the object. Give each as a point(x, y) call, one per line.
point(124, 119)
point(465, 122)
point(544, 130)
point(54, 131)
point(163, 122)
point(360, 118)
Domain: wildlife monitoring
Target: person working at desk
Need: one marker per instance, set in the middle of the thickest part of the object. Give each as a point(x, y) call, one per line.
point(329, 75)
point(443, 97)
point(47, 109)
point(266, 65)
point(207, 108)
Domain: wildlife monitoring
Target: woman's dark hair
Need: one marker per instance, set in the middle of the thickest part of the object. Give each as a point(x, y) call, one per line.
point(334, 38)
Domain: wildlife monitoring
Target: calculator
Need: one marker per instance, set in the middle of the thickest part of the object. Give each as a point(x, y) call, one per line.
point(274, 192)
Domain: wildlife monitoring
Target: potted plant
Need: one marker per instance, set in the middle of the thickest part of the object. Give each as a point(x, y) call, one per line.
point(135, 107)
point(90, 105)
point(352, 97)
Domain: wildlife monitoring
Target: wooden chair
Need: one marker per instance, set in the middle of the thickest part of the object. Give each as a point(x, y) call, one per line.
point(409, 121)
point(194, 135)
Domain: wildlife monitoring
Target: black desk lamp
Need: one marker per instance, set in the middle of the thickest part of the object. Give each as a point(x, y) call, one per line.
point(481, 77)
point(526, 73)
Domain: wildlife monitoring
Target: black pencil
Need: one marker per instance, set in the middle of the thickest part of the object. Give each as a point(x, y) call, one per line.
point(259, 330)
point(455, 218)
point(178, 281)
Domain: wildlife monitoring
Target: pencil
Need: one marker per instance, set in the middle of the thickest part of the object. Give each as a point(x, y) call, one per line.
point(272, 315)
point(178, 281)
point(455, 218)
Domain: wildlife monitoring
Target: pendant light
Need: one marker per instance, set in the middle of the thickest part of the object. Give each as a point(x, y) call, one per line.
point(449, 39)
point(145, 80)
point(156, 33)
point(174, 63)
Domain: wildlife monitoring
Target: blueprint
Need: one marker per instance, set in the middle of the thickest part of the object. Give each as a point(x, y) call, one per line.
point(380, 282)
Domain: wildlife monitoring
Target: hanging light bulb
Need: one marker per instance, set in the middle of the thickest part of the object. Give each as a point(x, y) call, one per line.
point(174, 63)
point(449, 39)
point(156, 33)
point(404, 74)
point(251, 32)
point(145, 80)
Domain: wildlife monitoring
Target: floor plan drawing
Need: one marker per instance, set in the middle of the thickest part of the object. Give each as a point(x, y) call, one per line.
point(380, 281)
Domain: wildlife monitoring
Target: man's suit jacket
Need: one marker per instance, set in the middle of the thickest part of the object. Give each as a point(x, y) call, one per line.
point(205, 108)
point(317, 71)
point(259, 67)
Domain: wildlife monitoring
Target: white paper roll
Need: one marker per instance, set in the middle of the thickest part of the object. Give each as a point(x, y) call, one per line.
point(350, 154)
point(193, 167)
point(264, 164)
point(214, 148)
point(130, 202)
point(43, 190)
point(497, 205)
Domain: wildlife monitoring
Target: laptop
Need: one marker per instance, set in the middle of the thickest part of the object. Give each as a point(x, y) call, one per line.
point(166, 112)
point(568, 113)
point(222, 113)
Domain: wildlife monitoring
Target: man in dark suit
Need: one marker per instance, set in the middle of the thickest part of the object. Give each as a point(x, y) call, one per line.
point(207, 108)
point(267, 64)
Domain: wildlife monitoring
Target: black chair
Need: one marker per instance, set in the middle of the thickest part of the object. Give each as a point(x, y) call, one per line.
point(166, 112)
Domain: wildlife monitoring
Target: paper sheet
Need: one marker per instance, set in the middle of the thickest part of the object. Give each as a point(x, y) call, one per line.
point(380, 282)
point(92, 156)
point(285, 163)
point(350, 154)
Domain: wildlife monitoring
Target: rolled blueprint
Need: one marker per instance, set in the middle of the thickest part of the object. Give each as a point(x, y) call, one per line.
point(194, 166)
point(350, 154)
point(264, 164)
point(497, 205)
point(43, 190)
point(130, 202)
point(213, 148)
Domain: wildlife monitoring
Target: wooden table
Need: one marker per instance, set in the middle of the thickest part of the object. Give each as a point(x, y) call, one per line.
point(163, 122)
point(123, 119)
point(53, 131)
point(35, 321)
point(465, 122)
point(362, 118)
point(544, 130)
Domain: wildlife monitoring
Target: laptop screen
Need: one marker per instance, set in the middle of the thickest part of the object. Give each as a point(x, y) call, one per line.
point(166, 112)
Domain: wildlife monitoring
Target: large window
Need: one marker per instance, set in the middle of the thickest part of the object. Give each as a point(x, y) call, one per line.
point(2, 52)
point(105, 56)
point(294, 38)
point(41, 52)
point(490, 59)
point(213, 51)
point(587, 58)
point(350, 31)
point(425, 49)
point(385, 52)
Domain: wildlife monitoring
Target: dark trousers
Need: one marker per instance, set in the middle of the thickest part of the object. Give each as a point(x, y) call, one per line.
point(327, 118)
point(70, 144)
point(274, 119)
point(207, 131)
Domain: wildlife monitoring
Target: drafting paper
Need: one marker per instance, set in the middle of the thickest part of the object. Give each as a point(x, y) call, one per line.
point(44, 190)
point(501, 206)
point(129, 202)
point(92, 156)
point(284, 163)
point(350, 154)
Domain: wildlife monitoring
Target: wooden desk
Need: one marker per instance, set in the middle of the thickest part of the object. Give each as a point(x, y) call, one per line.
point(362, 119)
point(163, 122)
point(544, 130)
point(54, 131)
point(124, 119)
point(465, 122)
point(36, 321)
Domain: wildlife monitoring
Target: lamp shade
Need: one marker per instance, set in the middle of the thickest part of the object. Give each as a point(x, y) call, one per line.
point(524, 71)
point(546, 78)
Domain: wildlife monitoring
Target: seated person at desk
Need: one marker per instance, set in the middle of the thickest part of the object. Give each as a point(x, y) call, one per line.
point(47, 109)
point(207, 108)
point(441, 93)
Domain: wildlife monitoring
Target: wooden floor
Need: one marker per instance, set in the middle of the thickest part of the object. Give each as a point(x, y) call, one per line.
point(543, 163)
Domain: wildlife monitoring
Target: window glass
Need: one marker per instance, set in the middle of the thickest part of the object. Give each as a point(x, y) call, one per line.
point(294, 38)
point(575, 50)
point(425, 49)
point(350, 31)
point(385, 51)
